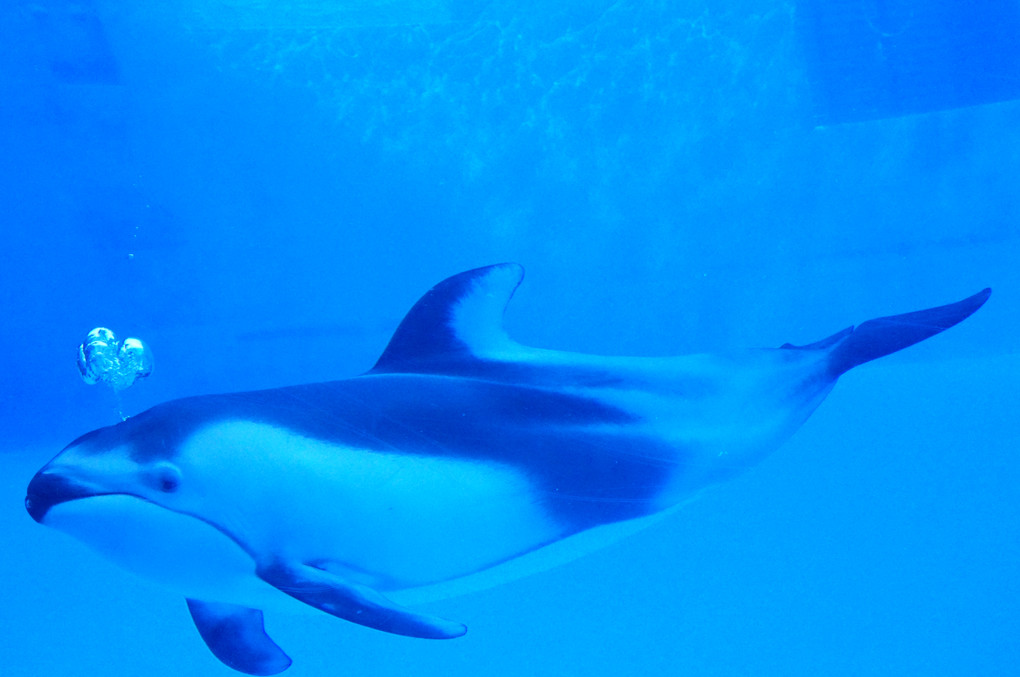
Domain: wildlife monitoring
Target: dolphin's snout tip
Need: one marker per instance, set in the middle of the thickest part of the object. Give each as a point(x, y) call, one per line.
point(35, 497)
point(49, 488)
point(36, 507)
point(32, 506)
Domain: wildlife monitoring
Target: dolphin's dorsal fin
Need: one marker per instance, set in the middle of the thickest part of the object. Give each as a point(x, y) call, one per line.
point(458, 320)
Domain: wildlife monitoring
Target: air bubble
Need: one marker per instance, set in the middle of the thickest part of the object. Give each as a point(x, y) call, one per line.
point(104, 359)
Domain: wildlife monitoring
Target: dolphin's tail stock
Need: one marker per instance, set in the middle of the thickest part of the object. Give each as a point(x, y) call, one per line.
point(885, 335)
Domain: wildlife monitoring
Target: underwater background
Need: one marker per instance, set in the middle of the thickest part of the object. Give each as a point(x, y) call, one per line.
point(260, 190)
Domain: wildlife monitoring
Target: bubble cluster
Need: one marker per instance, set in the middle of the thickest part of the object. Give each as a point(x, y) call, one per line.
point(118, 364)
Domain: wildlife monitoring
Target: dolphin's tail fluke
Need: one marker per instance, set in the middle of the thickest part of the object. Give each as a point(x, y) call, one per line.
point(885, 335)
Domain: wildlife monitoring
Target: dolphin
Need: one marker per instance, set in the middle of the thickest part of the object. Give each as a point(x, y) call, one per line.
point(462, 459)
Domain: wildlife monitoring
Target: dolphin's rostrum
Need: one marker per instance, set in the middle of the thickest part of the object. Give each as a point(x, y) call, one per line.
point(461, 460)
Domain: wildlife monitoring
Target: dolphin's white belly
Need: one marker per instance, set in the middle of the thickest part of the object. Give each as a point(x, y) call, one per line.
point(177, 551)
point(389, 520)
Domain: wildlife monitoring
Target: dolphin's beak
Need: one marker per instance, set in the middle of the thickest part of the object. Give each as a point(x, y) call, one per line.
point(49, 488)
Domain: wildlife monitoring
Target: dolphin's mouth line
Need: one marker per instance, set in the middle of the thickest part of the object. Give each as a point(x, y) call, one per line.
point(47, 490)
point(38, 506)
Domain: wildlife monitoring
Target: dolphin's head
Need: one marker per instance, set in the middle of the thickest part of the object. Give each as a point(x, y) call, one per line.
point(124, 491)
point(109, 461)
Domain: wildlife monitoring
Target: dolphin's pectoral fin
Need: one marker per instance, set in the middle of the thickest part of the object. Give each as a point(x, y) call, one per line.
point(352, 602)
point(236, 636)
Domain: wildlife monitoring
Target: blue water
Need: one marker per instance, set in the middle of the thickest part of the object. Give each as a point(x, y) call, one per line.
point(260, 190)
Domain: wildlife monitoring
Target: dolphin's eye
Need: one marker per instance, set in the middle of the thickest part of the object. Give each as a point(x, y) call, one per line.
point(168, 483)
point(165, 478)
